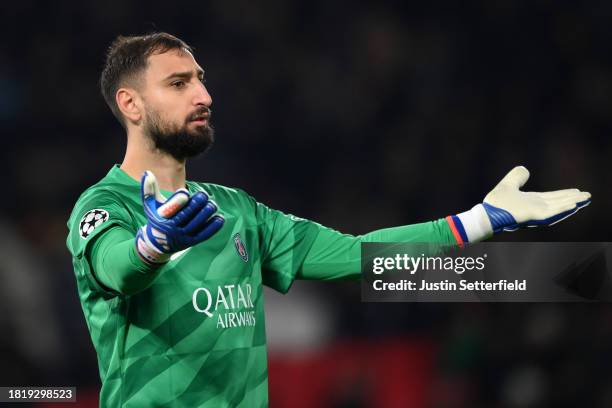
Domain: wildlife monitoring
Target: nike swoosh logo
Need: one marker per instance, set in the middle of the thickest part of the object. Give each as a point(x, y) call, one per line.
point(178, 254)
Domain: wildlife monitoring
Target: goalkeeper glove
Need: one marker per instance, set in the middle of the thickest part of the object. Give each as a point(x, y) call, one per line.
point(174, 224)
point(506, 208)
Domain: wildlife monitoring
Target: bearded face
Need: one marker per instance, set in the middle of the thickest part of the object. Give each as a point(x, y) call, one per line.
point(181, 140)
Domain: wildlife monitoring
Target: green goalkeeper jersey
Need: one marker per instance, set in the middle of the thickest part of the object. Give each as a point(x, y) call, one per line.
point(194, 335)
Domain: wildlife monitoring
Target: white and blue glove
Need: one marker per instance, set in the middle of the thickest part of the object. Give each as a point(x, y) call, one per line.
point(506, 208)
point(177, 223)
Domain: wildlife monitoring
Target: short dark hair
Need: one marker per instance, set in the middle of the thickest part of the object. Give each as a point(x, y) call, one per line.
point(127, 57)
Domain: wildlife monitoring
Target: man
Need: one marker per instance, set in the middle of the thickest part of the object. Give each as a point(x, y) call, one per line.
point(171, 281)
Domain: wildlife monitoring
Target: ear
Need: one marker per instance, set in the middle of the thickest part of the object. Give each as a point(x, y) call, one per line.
point(129, 104)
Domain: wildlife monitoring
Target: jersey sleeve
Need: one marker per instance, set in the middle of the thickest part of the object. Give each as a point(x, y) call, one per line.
point(284, 242)
point(117, 265)
point(93, 215)
point(335, 256)
point(295, 248)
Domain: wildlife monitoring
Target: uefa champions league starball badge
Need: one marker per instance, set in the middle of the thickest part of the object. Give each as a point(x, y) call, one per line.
point(91, 220)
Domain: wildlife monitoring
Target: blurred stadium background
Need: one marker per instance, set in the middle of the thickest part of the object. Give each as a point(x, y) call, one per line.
point(359, 116)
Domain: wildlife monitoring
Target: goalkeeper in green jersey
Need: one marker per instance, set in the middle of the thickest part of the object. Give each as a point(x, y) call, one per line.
point(170, 271)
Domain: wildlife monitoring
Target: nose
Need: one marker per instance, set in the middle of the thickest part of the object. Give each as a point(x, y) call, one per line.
point(202, 97)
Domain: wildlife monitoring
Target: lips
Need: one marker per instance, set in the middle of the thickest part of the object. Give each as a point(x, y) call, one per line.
point(200, 122)
point(201, 118)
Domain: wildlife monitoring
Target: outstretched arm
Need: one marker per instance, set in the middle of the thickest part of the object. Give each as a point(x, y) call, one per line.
point(296, 248)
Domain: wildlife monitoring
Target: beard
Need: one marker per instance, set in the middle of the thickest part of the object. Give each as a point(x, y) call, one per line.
point(179, 141)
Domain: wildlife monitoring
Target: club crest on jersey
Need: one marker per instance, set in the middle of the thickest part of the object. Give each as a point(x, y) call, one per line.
point(240, 248)
point(91, 220)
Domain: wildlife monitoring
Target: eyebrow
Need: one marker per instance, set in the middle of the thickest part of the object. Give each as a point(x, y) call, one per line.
point(184, 74)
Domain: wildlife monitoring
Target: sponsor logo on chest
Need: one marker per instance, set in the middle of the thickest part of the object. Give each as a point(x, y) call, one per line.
point(233, 305)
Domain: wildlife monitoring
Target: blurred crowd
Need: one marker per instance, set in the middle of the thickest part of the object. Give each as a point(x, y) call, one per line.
point(357, 115)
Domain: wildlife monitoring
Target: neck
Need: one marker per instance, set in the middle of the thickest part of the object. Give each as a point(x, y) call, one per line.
point(141, 155)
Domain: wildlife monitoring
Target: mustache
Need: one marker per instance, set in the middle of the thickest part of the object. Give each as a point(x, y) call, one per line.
point(201, 113)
